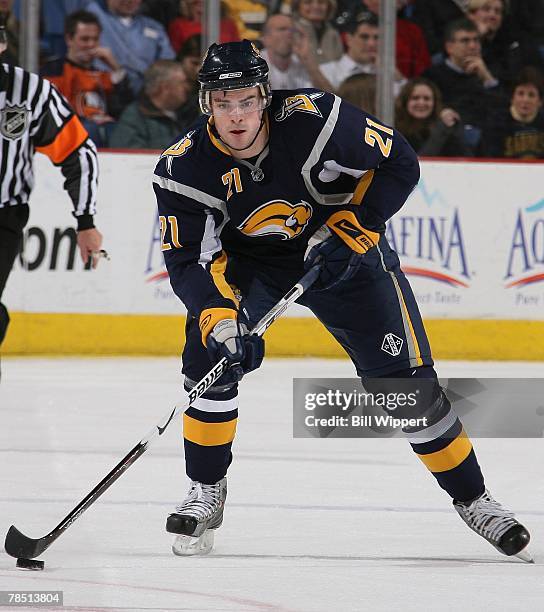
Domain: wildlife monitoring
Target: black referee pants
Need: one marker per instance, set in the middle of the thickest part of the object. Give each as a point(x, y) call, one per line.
point(12, 222)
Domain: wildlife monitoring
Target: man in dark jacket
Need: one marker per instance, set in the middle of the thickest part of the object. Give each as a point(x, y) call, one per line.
point(161, 113)
point(465, 81)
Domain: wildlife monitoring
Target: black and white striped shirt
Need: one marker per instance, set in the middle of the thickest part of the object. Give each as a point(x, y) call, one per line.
point(34, 116)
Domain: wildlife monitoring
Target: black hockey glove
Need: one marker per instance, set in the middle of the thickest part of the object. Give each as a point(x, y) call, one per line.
point(339, 245)
point(224, 336)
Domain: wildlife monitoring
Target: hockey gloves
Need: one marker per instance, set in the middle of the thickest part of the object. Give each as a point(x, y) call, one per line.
point(339, 246)
point(224, 336)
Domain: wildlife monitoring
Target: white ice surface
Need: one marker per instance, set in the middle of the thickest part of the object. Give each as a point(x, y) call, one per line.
point(309, 525)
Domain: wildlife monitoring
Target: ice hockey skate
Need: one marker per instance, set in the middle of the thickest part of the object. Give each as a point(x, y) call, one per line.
point(497, 525)
point(196, 518)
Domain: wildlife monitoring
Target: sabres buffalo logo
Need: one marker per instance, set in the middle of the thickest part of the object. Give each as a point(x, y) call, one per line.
point(300, 103)
point(177, 150)
point(277, 218)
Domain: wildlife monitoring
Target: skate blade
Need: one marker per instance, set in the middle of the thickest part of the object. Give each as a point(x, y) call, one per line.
point(525, 556)
point(186, 546)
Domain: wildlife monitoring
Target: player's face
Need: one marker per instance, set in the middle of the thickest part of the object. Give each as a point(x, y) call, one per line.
point(237, 115)
point(83, 44)
point(526, 101)
point(421, 102)
point(488, 17)
point(363, 44)
point(314, 10)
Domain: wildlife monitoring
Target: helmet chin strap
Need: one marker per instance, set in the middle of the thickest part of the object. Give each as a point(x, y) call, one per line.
point(254, 138)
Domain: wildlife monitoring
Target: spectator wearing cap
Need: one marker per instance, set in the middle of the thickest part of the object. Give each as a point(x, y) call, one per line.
point(362, 39)
point(313, 18)
point(290, 58)
point(136, 41)
point(160, 114)
point(518, 131)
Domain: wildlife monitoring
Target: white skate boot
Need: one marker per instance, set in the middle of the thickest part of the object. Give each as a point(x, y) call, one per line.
point(498, 526)
point(195, 519)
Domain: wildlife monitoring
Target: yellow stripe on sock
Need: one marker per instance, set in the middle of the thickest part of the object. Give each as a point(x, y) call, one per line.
point(450, 457)
point(208, 434)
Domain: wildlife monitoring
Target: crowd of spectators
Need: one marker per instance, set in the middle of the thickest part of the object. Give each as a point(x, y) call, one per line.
point(468, 81)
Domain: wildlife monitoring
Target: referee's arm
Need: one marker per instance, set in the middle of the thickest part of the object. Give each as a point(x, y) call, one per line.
point(65, 141)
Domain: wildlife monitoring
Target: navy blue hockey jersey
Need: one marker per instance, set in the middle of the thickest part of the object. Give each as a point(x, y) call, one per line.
point(324, 155)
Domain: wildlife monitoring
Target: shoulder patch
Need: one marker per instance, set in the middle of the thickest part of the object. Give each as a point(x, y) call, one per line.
point(300, 102)
point(14, 120)
point(177, 150)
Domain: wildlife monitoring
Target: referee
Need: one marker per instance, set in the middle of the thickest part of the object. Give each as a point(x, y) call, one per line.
point(35, 117)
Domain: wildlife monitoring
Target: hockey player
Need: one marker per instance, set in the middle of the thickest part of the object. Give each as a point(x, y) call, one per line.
point(264, 187)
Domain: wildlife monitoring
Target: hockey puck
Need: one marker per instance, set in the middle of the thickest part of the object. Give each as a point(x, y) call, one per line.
point(30, 564)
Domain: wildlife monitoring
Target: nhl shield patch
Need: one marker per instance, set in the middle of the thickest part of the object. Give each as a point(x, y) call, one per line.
point(14, 121)
point(392, 344)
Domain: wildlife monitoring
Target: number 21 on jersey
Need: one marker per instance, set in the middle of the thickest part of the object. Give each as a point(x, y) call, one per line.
point(173, 222)
point(373, 137)
point(232, 178)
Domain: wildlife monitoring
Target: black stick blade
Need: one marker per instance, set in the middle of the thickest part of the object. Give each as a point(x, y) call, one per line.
point(18, 545)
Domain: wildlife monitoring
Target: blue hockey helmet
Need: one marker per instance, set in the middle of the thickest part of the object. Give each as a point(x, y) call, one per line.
point(233, 65)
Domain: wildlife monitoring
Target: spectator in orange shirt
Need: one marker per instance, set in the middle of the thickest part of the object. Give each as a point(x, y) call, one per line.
point(190, 24)
point(97, 97)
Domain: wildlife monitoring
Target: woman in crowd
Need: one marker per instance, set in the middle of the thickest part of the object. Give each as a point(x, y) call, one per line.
point(518, 131)
point(313, 17)
point(429, 128)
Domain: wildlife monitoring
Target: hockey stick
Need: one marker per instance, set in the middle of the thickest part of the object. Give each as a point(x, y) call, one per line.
point(21, 546)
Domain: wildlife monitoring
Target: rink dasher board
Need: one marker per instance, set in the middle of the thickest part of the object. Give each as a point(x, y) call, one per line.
point(470, 239)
